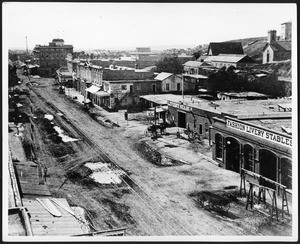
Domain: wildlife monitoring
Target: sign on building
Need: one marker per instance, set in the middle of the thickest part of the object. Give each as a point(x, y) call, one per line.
point(260, 133)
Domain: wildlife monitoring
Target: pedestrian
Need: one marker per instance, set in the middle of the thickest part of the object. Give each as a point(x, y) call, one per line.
point(126, 116)
point(45, 172)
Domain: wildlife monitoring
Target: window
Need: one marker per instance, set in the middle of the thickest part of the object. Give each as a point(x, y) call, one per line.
point(167, 87)
point(178, 86)
point(154, 88)
point(123, 87)
point(219, 146)
point(206, 127)
point(200, 129)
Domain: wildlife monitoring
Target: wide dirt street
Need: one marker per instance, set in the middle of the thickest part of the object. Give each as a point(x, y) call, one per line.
point(153, 200)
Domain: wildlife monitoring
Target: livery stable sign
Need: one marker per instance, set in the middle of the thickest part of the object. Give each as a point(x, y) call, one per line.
point(261, 133)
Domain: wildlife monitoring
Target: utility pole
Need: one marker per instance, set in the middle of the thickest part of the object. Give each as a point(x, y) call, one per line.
point(182, 86)
point(26, 45)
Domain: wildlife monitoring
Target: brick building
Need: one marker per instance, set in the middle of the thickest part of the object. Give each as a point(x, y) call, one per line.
point(53, 56)
point(255, 135)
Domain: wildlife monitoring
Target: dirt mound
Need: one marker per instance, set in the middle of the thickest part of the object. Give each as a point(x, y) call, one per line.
point(120, 210)
point(155, 156)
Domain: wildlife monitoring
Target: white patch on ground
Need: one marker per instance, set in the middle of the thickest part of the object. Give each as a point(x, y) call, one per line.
point(80, 216)
point(60, 114)
point(64, 137)
point(103, 174)
point(49, 117)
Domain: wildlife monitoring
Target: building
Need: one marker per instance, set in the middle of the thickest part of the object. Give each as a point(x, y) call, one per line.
point(286, 31)
point(195, 75)
point(88, 80)
point(53, 56)
point(252, 135)
point(198, 68)
point(239, 61)
point(114, 87)
point(125, 93)
point(64, 77)
point(198, 113)
point(278, 50)
point(260, 144)
point(169, 82)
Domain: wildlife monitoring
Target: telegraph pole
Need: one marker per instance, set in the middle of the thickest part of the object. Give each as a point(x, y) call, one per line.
point(26, 45)
point(182, 86)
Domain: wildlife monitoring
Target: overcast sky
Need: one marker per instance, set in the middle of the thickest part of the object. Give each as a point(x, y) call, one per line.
point(130, 25)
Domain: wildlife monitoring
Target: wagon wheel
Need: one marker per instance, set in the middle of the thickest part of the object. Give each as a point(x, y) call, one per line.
point(201, 200)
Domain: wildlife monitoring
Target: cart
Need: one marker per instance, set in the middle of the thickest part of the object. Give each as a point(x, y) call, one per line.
point(213, 201)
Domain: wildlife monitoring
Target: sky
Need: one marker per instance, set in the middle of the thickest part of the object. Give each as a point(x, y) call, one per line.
point(130, 25)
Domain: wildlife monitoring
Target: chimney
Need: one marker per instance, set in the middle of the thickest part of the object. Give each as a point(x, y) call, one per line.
point(271, 36)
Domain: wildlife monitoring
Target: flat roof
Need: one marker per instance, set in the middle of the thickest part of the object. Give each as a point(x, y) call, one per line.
point(163, 98)
point(130, 81)
point(260, 112)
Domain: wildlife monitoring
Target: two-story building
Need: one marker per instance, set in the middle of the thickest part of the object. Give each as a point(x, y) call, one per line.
point(170, 82)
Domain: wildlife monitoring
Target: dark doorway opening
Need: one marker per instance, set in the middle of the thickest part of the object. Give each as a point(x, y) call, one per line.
point(286, 172)
point(267, 167)
point(181, 120)
point(153, 88)
point(249, 158)
point(232, 154)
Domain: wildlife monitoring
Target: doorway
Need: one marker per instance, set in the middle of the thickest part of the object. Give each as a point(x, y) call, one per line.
point(181, 120)
point(249, 158)
point(267, 166)
point(286, 172)
point(232, 147)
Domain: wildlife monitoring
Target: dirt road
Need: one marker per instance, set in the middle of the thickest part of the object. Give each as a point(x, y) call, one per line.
point(152, 200)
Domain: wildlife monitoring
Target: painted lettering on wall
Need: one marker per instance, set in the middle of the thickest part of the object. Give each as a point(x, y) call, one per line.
point(270, 136)
point(180, 106)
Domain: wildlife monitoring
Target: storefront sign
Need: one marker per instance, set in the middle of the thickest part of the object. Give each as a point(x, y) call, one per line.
point(261, 133)
point(180, 106)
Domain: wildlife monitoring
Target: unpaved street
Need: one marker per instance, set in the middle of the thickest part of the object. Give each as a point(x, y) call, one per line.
point(152, 200)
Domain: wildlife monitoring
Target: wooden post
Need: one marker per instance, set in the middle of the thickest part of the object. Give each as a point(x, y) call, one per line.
point(250, 196)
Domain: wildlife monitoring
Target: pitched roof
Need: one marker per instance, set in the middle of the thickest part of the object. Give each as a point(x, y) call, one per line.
point(232, 58)
point(280, 46)
point(196, 64)
point(225, 47)
point(163, 75)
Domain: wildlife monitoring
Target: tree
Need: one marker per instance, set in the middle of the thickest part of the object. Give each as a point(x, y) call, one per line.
point(169, 64)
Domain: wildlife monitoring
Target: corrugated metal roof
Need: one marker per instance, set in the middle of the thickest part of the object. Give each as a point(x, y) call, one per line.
point(162, 76)
point(45, 224)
